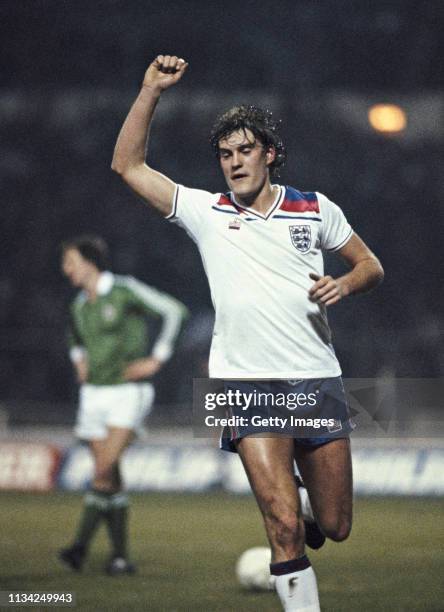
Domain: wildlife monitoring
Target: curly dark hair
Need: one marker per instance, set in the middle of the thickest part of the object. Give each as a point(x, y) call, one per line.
point(260, 122)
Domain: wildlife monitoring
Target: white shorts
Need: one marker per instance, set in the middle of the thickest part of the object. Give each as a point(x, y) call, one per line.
point(104, 406)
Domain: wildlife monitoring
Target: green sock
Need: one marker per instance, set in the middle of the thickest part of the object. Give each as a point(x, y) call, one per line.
point(95, 506)
point(116, 519)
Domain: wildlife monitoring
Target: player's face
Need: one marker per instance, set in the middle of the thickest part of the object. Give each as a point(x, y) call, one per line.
point(244, 162)
point(76, 268)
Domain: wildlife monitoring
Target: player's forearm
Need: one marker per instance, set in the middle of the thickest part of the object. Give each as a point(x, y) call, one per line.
point(365, 275)
point(132, 142)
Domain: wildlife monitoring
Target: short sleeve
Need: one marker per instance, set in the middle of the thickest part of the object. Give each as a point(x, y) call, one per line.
point(335, 229)
point(191, 209)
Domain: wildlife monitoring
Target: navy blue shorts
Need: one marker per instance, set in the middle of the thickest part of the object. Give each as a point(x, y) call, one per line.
point(312, 411)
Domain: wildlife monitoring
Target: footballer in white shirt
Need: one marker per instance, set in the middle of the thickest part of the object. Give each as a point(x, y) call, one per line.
point(261, 245)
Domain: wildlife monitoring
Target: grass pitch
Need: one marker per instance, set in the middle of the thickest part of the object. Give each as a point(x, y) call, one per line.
point(185, 547)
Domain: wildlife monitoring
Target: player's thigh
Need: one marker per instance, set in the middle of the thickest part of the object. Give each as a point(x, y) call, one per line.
point(327, 474)
point(269, 465)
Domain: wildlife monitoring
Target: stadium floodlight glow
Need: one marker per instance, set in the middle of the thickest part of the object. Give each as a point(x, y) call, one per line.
point(387, 118)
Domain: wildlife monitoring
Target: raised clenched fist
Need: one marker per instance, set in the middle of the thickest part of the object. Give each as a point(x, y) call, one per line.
point(164, 71)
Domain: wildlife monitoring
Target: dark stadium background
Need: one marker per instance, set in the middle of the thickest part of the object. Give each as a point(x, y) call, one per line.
point(70, 70)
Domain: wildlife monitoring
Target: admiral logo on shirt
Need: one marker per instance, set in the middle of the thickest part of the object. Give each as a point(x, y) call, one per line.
point(301, 237)
point(235, 224)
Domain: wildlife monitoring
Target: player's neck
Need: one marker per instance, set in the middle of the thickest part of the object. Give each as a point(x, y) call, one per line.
point(262, 200)
point(90, 285)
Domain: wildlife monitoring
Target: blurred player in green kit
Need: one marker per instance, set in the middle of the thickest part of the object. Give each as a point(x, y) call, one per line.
point(108, 346)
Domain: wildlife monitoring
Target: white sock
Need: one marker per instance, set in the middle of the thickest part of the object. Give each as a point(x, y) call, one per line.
point(298, 590)
point(306, 509)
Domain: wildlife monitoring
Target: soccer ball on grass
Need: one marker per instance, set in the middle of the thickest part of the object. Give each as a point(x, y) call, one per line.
point(253, 569)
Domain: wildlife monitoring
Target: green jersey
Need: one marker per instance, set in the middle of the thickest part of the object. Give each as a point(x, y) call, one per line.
point(112, 330)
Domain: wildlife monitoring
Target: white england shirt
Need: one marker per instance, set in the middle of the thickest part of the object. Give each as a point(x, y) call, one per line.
point(258, 269)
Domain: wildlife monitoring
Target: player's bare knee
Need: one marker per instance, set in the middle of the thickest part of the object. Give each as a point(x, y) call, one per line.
point(337, 530)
